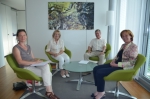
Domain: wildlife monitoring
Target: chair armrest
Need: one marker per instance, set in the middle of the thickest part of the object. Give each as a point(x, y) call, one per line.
point(108, 61)
point(26, 74)
point(107, 53)
point(51, 58)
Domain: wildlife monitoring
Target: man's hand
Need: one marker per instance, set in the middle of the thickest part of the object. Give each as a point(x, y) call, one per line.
point(113, 64)
point(89, 51)
point(101, 53)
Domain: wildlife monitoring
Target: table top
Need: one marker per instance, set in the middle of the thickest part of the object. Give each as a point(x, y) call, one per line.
point(75, 66)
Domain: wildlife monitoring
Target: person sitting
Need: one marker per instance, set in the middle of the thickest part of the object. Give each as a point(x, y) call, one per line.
point(55, 47)
point(125, 59)
point(96, 47)
point(24, 57)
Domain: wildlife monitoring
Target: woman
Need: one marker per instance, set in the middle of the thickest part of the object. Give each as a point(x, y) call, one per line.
point(56, 48)
point(125, 59)
point(24, 56)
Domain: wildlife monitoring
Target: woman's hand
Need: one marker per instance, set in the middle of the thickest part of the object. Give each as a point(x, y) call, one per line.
point(56, 54)
point(113, 64)
point(36, 60)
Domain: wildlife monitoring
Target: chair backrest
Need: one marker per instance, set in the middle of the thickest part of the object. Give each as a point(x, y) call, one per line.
point(108, 50)
point(68, 52)
point(139, 62)
point(12, 62)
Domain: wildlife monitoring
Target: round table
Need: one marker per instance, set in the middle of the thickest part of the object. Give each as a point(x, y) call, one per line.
point(75, 66)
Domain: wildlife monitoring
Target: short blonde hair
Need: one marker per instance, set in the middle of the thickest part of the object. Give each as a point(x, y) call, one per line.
point(55, 33)
point(129, 32)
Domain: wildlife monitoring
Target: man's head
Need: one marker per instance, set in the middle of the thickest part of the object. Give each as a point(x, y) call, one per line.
point(98, 33)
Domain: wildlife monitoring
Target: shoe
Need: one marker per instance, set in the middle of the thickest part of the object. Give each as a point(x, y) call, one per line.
point(64, 76)
point(51, 95)
point(95, 96)
point(67, 75)
point(86, 73)
point(92, 95)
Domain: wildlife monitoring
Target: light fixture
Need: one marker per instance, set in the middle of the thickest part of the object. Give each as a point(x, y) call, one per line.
point(109, 18)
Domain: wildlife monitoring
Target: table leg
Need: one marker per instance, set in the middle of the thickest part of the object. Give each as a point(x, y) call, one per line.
point(80, 81)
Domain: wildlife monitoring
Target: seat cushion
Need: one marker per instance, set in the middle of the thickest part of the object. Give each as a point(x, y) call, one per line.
point(94, 58)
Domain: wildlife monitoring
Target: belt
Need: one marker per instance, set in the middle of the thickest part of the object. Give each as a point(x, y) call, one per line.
point(97, 51)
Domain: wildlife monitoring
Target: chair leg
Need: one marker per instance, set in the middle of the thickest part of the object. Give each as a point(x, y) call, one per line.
point(55, 72)
point(33, 91)
point(57, 69)
point(117, 92)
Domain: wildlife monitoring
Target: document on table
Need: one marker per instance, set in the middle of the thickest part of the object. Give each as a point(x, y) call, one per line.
point(41, 64)
point(83, 62)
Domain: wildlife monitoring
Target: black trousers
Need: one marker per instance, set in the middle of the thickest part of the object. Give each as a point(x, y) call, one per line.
point(100, 72)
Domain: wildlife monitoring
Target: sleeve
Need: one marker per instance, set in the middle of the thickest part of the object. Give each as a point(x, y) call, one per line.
point(104, 42)
point(48, 47)
point(62, 45)
point(132, 58)
point(91, 43)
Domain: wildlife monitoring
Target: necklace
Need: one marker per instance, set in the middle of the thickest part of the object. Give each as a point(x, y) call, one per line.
point(24, 48)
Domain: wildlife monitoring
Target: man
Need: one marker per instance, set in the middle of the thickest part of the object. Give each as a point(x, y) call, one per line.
point(96, 47)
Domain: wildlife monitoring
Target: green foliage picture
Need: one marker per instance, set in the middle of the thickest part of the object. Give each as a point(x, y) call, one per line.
point(71, 15)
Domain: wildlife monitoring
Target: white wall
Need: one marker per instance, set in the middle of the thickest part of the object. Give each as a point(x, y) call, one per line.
point(2, 63)
point(21, 20)
point(75, 40)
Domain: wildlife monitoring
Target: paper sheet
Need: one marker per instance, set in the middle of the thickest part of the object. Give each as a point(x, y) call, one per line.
point(83, 62)
point(41, 64)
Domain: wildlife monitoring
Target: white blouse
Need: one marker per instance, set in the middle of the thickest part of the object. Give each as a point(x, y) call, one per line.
point(54, 47)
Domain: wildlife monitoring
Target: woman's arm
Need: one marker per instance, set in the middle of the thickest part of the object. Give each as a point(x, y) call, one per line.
point(62, 47)
point(48, 49)
point(19, 60)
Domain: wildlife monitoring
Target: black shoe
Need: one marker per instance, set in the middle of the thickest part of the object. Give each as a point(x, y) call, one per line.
point(92, 95)
point(86, 73)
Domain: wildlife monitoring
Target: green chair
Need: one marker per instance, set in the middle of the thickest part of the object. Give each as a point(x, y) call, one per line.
point(125, 75)
point(24, 74)
point(68, 52)
point(108, 50)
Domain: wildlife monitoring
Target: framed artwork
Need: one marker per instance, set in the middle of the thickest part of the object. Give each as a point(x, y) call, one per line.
point(71, 15)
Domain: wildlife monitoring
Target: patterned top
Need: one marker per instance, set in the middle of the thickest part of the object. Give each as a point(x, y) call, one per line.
point(25, 55)
point(129, 56)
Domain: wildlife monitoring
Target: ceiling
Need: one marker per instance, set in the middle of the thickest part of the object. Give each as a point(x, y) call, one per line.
point(16, 4)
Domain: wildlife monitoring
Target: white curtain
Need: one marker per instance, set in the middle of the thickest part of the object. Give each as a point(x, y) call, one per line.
point(130, 15)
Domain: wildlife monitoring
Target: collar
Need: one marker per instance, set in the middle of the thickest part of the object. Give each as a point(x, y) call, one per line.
point(127, 45)
point(98, 39)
